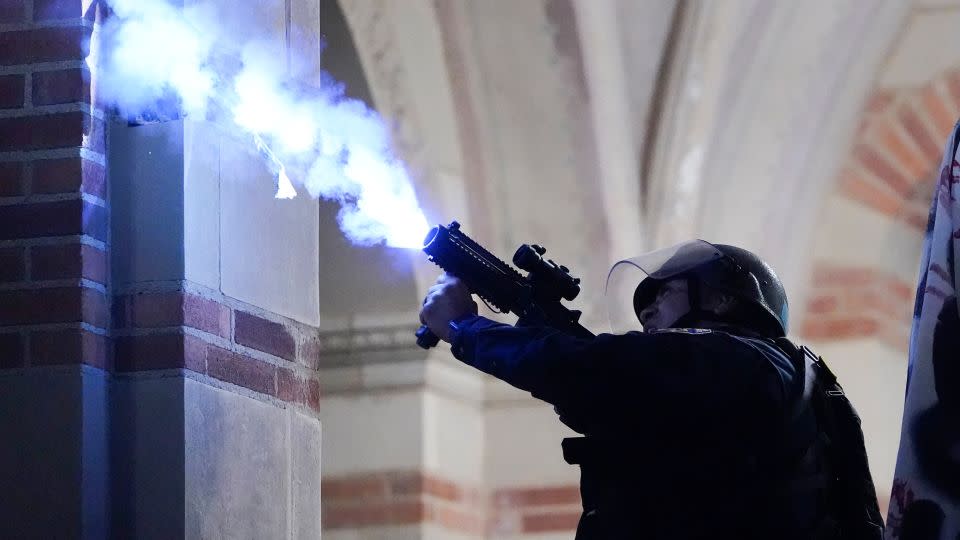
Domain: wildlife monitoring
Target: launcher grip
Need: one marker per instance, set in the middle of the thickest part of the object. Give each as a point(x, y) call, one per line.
point(493, 280)
point(535, 298)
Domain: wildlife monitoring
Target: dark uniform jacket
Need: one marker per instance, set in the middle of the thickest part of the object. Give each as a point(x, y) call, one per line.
point(690, 434)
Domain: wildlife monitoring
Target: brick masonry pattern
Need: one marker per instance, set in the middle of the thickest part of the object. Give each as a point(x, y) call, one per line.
point(56, 305)
point(406, 497)
point(896, 151)
point(54, 272)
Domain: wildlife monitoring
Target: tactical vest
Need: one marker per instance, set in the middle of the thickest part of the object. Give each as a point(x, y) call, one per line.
point(824, 459)
point(855, 512)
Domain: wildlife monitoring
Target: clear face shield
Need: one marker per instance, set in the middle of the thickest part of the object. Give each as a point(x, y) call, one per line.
point(662, 264)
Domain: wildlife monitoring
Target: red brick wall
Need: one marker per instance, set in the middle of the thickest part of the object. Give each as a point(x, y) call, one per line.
point(401, 498)
point(56, 304)
point(219, 337)
point(895, 155)
point(531, 510)
point(891, 169)
point(54, 243)
point(386, 498)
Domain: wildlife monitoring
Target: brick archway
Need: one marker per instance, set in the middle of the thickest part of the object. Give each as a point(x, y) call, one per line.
point(898, 148)
point(890, 170)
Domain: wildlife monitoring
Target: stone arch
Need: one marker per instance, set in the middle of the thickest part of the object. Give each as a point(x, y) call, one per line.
point(761, 98)
point(898, 147)
point(891, 171)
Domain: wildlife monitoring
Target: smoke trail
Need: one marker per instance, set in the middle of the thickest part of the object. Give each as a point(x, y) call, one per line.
point(157, 59)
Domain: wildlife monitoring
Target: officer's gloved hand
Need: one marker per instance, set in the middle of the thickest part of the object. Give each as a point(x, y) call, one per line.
point(446, 300)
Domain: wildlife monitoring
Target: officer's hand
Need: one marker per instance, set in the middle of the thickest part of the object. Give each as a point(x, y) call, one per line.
point(447, 300)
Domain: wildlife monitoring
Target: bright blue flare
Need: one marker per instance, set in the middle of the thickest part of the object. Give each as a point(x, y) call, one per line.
point(334, 147)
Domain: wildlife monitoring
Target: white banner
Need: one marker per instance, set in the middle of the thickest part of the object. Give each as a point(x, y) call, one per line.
point(925, 502)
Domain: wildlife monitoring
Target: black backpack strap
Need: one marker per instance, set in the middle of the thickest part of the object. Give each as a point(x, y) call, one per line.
point(854, 495)
point(798, 440)
point(585, 452)
point(847, 485)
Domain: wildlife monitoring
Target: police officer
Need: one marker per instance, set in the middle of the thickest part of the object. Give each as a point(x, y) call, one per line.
point(708, 424)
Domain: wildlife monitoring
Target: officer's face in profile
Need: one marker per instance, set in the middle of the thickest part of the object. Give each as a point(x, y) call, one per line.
point(671, 303)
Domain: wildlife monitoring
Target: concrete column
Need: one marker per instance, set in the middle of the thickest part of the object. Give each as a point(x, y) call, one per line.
point(216, 322)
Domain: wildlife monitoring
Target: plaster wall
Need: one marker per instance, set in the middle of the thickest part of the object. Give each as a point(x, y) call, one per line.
point(373, 432)
point(859, 237)
point(929, 34)
point(523, 445)
point(454, 439)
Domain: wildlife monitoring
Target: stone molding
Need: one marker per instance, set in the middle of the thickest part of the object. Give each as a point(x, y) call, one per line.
point(345, 342)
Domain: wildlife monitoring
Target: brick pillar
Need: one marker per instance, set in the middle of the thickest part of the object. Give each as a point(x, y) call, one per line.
point(54, 247)
point(214, 395)
point(157, 343)
point(215, 392)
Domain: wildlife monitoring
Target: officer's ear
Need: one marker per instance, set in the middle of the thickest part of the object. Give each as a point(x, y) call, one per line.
point(720, 303)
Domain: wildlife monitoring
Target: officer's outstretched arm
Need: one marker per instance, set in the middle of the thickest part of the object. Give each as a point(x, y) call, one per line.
point(677, 372)
point(543, 361)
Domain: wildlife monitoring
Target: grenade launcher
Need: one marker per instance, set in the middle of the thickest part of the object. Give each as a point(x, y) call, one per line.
point(535, 299)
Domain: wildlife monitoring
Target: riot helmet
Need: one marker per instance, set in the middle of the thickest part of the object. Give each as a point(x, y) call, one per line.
point(761, 299)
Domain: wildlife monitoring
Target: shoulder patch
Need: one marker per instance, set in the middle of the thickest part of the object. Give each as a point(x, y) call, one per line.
point(695, 331)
